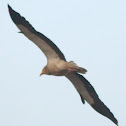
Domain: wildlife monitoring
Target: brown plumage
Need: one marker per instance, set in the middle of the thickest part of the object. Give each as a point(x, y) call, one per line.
point(58, 66)
point(61, 68)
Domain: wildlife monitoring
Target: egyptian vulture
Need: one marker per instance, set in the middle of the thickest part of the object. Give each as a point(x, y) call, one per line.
point(58, 66)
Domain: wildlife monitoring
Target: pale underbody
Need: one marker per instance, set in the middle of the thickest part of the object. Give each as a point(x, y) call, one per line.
point(60, 67)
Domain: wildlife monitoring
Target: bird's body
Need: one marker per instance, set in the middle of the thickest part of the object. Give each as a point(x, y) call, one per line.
point(55, 67)
point(58, 66)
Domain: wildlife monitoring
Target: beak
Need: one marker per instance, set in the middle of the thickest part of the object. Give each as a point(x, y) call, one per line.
point(41, 74)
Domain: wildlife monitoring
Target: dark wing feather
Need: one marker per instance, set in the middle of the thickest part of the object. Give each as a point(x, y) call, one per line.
point(45, 44)
point(82, 99)
point(87, 92)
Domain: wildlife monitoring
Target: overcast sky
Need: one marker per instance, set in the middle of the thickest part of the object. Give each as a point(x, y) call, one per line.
point(92, 33)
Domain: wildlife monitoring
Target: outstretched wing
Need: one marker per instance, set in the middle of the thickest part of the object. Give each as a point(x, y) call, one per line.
point(87, 92)
point(46, 45)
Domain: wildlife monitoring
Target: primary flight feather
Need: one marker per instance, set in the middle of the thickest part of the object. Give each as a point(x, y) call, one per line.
point(58, 66)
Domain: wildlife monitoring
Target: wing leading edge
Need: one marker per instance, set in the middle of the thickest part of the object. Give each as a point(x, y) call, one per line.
point(87, 92)
point(46, 45)
point(84, 88)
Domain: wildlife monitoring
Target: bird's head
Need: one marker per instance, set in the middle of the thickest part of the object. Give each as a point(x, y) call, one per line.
point(44, 71)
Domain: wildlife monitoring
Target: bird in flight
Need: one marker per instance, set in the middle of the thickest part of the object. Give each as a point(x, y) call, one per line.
point(58, 66)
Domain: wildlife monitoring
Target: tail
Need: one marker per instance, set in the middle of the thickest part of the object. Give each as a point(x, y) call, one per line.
point(81, 70)
point(73, 67)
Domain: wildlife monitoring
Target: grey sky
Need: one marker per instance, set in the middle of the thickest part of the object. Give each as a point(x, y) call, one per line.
point(92, 33)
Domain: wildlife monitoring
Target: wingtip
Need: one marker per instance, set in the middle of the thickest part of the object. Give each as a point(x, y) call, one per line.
point(14, 15)
point(9, 7)
point(116, 121)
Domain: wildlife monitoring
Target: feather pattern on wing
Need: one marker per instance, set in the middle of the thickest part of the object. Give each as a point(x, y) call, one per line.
point(55, 65)
point(87, 92)
point(46, 45)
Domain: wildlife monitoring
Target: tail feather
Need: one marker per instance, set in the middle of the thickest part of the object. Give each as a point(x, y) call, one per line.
point(78, 69)
point(81, 70)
